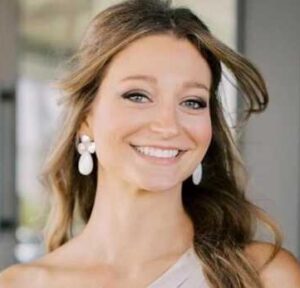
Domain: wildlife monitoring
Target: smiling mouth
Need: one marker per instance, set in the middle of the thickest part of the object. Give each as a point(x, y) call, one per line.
point(165, 159)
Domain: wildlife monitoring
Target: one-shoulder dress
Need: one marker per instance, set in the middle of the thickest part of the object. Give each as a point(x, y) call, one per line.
point(185, 273)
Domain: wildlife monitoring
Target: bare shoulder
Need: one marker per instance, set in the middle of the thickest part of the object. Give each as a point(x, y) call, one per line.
point(284, 268)
point(23, 275)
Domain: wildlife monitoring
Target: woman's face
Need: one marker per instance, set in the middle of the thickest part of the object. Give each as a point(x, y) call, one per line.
point(155, 94)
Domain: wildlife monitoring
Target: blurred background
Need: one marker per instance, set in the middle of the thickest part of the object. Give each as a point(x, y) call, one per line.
point(36, 39)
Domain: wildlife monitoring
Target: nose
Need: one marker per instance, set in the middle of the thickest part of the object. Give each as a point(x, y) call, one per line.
point(165, 121)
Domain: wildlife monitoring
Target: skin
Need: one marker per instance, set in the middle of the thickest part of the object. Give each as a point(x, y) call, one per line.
point(129, 239)
point(134, 195)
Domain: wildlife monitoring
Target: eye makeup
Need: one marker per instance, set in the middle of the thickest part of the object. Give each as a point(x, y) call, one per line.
point(139, 97)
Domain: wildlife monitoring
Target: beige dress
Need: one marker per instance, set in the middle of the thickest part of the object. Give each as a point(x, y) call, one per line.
point(185, 273)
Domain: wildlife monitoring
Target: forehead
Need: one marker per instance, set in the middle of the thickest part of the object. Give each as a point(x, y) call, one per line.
point(161, 56)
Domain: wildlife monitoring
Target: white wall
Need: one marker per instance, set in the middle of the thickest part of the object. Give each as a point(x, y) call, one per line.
point(271, 40)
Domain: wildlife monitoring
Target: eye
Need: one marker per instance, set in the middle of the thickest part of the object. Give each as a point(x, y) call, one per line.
point(196, 104)
point(142, 98)
point(135, 97)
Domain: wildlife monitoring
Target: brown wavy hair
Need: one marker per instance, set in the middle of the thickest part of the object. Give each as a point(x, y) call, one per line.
point(224, 220)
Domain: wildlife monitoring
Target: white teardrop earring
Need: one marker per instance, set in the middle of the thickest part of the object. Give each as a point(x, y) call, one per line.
point(197, 175)
point(85, 148)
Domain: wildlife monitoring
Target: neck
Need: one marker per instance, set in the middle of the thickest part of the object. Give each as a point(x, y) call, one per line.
point(132, 225)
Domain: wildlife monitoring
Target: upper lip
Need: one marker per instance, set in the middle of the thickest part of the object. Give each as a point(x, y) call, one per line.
point(160, 147)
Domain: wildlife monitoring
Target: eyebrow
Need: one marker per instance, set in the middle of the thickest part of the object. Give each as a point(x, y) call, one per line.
point(188, 84)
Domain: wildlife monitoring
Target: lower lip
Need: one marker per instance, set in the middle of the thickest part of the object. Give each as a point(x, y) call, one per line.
point(158, 160)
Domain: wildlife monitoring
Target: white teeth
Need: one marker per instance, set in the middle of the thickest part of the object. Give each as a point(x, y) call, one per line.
point(158, 152)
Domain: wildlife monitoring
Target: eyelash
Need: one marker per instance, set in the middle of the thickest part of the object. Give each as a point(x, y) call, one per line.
point(201, 103)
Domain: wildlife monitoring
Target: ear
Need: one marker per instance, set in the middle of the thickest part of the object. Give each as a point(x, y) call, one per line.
point(86, 127)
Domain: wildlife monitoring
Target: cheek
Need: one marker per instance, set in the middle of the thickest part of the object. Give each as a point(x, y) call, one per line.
point(201, 131)
point(112, 124)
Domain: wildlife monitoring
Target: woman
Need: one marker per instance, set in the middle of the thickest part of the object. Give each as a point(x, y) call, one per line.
point(146, 156)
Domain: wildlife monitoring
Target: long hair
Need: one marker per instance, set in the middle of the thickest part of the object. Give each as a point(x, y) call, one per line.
point(224, 220)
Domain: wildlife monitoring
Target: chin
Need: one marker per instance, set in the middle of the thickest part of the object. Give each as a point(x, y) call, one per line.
point(159, 186)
